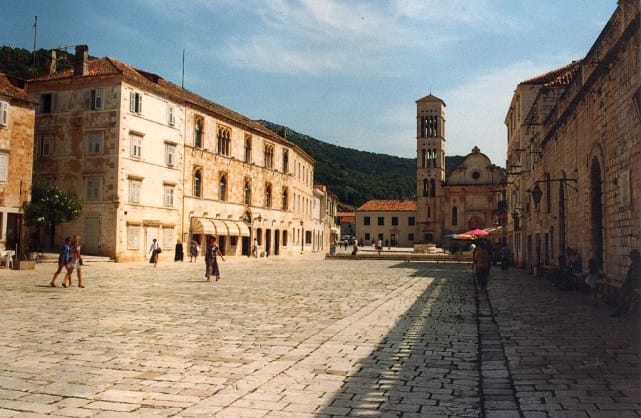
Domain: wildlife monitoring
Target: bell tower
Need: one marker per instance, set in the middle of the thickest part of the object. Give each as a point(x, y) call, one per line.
point(430, 168)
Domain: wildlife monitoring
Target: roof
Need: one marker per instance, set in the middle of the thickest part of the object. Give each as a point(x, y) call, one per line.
point(388, 206)
point(345, 213)
point(559, 77)
point(108, 66)
point(431, 98)
point(13, 87)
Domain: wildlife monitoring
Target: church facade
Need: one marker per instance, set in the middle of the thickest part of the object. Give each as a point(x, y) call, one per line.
point(470, 196)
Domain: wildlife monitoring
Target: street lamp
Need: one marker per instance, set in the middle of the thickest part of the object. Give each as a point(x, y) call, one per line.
point(537, 194)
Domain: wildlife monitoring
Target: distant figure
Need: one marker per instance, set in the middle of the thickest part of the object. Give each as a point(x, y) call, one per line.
point(75, 263)
point(178, 253)
point(63, 260)
point(194, 249)
point(594, 277)
point(255, 248)
point(631, 284)
point(355, 248)
point(481, 264)
point(211, 264)
point(154, 250)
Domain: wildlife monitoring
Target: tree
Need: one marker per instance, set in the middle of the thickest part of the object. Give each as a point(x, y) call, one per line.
point(49, 207)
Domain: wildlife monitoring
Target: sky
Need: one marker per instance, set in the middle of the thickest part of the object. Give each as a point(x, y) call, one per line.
point(346, 72)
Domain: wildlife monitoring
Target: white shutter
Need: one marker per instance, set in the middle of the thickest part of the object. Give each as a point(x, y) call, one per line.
point(4, 113)
point(4, 167)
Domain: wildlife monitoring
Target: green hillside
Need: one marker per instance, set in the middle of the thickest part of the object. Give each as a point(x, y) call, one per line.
point(358, 176)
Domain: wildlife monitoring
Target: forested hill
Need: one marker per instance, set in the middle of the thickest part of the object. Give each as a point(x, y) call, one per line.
point(358, 176)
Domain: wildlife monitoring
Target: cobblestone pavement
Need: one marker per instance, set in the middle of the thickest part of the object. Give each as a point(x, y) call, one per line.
point(310, 338)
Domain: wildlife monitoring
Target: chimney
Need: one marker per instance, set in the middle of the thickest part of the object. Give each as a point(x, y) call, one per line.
point(80, 65)
point(51, 61)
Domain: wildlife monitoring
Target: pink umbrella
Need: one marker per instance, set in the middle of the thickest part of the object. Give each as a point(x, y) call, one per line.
point(477, 233)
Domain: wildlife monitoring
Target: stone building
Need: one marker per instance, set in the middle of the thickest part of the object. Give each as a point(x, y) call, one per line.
point(16, 149)
point(392, 221)
point(574, 154)
point(148, 159)
point(469, 197)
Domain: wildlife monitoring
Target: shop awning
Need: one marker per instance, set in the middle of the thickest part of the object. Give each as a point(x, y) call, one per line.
point(208, 226)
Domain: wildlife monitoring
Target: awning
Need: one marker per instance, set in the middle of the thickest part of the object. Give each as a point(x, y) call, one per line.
point(208, 226)
point(237, 229)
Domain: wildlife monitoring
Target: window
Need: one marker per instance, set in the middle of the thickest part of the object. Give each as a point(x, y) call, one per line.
point(410, 237)
point(97, 98)
point(366, 220)
point(171, 115)
point(285, 161)
point(134, 190)
point(222, 192)
point(367, 236)
point(198, 180)
point(432, 188)
point(95, 142)
point(224, 140)
point(46, 103)
point(268, 156)
point(4, 167)
point(248, 148)
point(4, 113)
point(426, 188)
point(454, 216)
point(380, 237)
point(198, 132)
point(168, 195)
point(135, 149)
point(268, 195)
point(381, 220)
point(394, 220)
point(93, 188)
point(411, 221)
point(135, 102)
point(284, 202)
point(167, 237)
point(170, 154)
point(247, 193)
point(133, 237)
point(45, 146)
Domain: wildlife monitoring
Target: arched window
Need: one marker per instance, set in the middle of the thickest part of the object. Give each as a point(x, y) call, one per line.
point(268, 195)
point(222, 194)
point(224, 140)
point(454, 216)
point(424, 157)
point(429, 212)
point(285, 202)
point(247, 193)
point(432, 188)
point(426, 188)
point(198, 183)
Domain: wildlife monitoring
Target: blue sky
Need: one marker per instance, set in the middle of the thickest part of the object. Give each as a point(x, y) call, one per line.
point(347, 72)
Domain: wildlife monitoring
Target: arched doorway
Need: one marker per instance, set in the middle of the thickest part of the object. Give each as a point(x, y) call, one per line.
point(596, 210)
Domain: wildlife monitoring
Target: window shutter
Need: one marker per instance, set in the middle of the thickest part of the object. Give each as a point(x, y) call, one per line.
point(132, 101)
point(4, 167)
point(4, 113)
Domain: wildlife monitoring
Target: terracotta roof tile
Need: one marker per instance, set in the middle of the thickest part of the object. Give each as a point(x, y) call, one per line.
point(14, 88)
point(559, 77)
point(388, 206)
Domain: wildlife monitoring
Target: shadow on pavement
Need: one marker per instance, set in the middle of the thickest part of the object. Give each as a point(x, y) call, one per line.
point(428, 364)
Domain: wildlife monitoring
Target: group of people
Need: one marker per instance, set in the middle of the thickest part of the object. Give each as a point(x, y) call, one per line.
point(70, 259)
point(211, 253)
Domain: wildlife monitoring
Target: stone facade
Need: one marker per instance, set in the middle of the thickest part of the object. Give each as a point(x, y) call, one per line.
point(392, 221)
point(16, 149)
point(148, 159)
point(574, 151)
point(469, 197)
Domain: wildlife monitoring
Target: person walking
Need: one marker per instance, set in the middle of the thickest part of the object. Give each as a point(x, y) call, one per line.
point(63, 259)
point(178, 253)
point(594, 277)
point(75, 263)
point(211, 263)
point(194, 249)
point(154, 250)
point(481, 264)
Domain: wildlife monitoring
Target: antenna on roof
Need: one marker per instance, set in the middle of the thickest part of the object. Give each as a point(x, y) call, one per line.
point(182, 83)
point(35, 37)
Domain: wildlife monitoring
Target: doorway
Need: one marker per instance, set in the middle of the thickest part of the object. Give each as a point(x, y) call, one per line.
point(596, 210)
